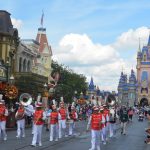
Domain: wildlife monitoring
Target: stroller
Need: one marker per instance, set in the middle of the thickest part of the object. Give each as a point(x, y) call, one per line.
point(141, 116)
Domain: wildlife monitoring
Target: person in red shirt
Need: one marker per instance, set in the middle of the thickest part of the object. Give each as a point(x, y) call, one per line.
point(62, 120)
point(96, 120)
point(20, 117)
point(54, 124)
point(3, 115)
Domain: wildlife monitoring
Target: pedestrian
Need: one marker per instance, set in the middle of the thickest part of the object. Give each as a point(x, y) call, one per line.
point(123, 119)
point(95, 121)
point(20, 118)
point(130, 113)
point(54, 124)
point(3, 115)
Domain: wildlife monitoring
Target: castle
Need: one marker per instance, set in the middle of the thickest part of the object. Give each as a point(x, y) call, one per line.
point(127, 89)
point(143, 73)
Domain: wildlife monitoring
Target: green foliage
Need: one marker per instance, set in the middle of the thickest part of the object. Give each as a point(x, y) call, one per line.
point(68, 83)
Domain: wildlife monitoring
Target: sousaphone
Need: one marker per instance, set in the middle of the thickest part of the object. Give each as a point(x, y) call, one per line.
point(25, 99)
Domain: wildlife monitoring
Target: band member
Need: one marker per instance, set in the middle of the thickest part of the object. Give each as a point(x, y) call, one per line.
point(72, 118)
point(107, 113)
point(38, 121)
point(20, 117)
point(54, 124)
point(95, 121)
point(3, 115)
point(62, 120)
point(112, 121)
point(103, 132)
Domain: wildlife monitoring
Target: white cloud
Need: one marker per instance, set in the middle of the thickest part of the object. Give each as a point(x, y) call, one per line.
point(16, 23)
point(130, 39)
point(103, 62)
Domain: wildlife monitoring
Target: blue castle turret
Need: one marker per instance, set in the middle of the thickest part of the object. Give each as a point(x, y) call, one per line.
point(127, 89)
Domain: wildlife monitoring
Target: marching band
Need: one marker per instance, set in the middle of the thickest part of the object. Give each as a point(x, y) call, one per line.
point(101, 121)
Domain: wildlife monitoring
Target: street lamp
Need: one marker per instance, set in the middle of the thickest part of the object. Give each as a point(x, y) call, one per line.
point(11, 79)
point(45, 86)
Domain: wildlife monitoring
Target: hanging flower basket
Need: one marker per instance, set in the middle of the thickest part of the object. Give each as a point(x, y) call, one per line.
point(11, 92)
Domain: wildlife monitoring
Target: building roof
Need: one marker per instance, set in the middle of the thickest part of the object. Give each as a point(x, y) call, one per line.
point(6, 26)
point(42, 39)
point(91, 85)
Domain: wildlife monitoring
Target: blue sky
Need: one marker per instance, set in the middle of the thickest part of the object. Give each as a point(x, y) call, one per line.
point(103, 21)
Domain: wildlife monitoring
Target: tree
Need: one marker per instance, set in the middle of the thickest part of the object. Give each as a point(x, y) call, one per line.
point(68, 83)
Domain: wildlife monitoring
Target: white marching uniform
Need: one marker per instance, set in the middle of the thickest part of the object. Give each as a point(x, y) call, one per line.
point(54, 126)
point(39, 117)
point(62, 122)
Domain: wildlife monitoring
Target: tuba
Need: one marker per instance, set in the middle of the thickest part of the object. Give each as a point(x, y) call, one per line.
point(25, 99)
point(111, 100)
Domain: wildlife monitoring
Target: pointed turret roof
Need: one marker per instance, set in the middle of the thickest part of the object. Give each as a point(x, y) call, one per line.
point(42, 39)
point(91, 85)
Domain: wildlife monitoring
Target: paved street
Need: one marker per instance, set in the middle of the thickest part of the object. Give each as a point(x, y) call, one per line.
point(134, 140)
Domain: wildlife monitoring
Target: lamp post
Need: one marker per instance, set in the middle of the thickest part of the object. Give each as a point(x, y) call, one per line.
point(45, 96)
point(11, 80)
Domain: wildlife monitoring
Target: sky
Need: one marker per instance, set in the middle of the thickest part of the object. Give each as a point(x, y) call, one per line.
point(96, 38)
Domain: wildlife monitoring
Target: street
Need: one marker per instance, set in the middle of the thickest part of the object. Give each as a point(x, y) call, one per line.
point(134, 140)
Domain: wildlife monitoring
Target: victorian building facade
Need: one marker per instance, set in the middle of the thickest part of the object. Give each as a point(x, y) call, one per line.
point(127, 89)
point(9, 41)
point(143, 74)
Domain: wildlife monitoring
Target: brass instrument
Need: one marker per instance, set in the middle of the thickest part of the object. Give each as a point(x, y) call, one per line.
point(25, 99)
point(111, 100)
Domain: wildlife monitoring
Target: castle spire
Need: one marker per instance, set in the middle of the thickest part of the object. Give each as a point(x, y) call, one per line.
point(91, 85)
point(139, 49)
point(42, 18)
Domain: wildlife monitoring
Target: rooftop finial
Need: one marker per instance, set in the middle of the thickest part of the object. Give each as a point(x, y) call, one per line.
point(42, 18)
point(139, 50)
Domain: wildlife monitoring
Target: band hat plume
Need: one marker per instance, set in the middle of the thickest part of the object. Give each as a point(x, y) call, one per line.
point(61, 99)
point(39, 98)
point(54, 102)
point(1, 96)
point(2, 101)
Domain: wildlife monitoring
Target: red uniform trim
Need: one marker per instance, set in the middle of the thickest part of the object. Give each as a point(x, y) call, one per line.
point(62, 112)
point(95, 121)
point(38, 115)
point(2, 113)
point(54, 118)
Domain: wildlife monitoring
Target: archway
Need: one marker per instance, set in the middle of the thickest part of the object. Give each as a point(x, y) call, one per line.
point(144, 102)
